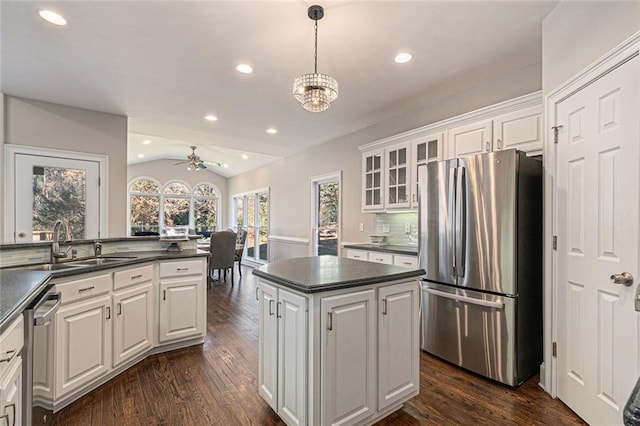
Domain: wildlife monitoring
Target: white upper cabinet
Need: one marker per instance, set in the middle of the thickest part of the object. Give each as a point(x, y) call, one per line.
point(470, 139)
point(390, 165)
point(520, 129)
point(372, 180)
point(397, 182)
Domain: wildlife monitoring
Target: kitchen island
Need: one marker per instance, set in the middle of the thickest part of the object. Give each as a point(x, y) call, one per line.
point(338, 339)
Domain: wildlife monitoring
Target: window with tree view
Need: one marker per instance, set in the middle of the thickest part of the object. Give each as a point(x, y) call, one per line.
point(205, 208)
point(145, 206)
point(252, 214)
point(176, 204)
point(58, 193)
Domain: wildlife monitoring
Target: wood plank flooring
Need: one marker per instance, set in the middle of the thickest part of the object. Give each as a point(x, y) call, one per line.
point(216, 384)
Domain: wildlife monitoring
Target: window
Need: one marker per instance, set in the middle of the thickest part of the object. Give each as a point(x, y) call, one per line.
point(46, 185)
point(144, 201)
point(325, 213)
point(151, 209)
point(251, 211)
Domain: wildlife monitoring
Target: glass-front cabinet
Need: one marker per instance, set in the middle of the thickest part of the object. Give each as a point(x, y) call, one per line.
point(372, 180)
point(424, 150)
point(398, 176)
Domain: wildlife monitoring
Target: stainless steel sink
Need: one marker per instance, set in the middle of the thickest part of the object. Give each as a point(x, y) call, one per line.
point(47, 267)
point(98, 261)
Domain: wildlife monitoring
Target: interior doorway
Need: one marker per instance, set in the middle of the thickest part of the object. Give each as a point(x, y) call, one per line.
point(325, 214)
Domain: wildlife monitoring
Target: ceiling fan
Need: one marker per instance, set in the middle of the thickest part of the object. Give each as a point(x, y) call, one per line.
point(195, 163)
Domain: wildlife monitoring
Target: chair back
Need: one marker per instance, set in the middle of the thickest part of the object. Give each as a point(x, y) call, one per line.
point(241, 238)
point(223, 249)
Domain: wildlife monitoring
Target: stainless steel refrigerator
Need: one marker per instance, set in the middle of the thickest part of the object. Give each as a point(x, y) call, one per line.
point(480, 221)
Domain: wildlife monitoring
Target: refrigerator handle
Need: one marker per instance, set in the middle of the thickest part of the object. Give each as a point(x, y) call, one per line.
point(453, 177)
point(461, 221)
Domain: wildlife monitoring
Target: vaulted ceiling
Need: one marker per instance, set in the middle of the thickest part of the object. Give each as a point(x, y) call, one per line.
point(167, 64)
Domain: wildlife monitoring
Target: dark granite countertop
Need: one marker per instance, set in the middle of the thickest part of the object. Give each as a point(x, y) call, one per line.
point(19, 286)
point(389, 248)
point(324, 273)
point(17, 290)
point(631, 413)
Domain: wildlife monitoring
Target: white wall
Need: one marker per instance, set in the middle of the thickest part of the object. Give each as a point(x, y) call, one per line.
point(46, 125)
point(576, 33)
point(289, 178)
point(166, 170)
point(2, 135)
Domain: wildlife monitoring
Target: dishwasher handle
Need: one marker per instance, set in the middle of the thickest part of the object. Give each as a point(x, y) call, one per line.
point(465, 299)
point(44, 318)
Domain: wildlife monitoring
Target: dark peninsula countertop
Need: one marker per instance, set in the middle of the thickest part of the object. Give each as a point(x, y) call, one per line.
point(324, 273)
point(388, 248)
point(19, 286)
point(17, 290)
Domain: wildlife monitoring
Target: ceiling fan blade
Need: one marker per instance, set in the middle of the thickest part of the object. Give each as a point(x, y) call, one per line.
point(201, 165)
point(212, 163)
point(179, 162)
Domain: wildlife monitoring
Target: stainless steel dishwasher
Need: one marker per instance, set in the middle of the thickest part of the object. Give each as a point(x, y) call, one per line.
point(38, 314)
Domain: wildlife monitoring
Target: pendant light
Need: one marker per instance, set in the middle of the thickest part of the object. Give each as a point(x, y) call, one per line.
point(315, 91)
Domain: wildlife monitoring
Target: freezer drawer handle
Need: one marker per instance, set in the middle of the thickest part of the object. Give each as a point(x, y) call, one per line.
point(471, 300)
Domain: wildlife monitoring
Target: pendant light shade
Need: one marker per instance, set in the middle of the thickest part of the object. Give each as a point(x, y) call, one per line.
point(315, 91)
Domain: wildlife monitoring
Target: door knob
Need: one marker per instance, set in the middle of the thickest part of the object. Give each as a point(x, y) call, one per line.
point(625, 278)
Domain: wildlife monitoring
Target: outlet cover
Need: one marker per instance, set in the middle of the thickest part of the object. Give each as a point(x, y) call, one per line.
point(361, 227)
point(407, 228)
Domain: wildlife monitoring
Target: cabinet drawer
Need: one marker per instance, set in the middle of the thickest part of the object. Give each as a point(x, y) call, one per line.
point(184, 267)
point(357, 254)
point(122, 279)
point(11, 341)
point(378, 257)
point(84, 288)
point(408, 261)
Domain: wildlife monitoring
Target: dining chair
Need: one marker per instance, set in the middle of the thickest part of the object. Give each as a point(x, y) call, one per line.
point(223, 249)
point(241, 238)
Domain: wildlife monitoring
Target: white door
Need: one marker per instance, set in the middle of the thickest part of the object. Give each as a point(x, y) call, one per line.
point(292, 358)
point(347, 354)
point(51, 188)
point(181, 309)
point(268, 345)
point(597, 229)
point(470, 139)
point(132, 332)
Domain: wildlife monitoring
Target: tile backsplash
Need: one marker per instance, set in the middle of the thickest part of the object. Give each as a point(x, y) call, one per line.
point(398, 228)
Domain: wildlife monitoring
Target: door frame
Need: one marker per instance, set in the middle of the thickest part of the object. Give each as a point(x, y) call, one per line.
point(10, 152)
point(618, 56)
point(315, 181)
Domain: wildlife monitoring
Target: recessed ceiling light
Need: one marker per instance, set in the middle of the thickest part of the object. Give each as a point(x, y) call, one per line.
point(244, 68)
point(52, 17)
point(245, 157)
point(210, 117)
point(225, 165)
point(272, 131)
point(146, 142)
point(140, 155)
point(403, 57)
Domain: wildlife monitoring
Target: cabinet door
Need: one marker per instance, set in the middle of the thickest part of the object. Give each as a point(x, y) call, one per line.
point(292, 357)
point(181, 309)
point(357, 254)
point(398, 343)
point(268, 344)
point(470, 139)
point(348, 357)
point(83, 353)
point(133, 316)
point(520, 129)
point(372, 195)
point(11, 393)
point(398, 172)
point(423, 151)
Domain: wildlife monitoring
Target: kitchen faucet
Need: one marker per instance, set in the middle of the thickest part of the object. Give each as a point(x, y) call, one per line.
point(55, 246)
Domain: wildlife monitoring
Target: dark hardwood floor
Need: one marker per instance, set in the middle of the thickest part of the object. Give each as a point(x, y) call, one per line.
point(216, 384)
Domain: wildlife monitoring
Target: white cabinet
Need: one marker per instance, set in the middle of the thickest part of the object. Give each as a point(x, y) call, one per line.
point(404, 260)
point(372, 180)
point(381, 257)
point(132, 313)
point(282, 348)
point(398, 336)
point(424, 150)
point(133, 321)
point(348, 357)
point(11, 343)
point(386, 258)
point(83, 352)
point(397, 180)
point(470, 139)
point(521, 129)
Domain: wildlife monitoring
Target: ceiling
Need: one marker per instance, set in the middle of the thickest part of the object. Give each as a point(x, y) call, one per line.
point(167, 64)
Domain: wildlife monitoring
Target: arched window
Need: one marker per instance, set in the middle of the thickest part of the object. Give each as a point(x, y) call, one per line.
point(205, 208)
point(176, 204)
point(152, 208)
point(144, 202)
